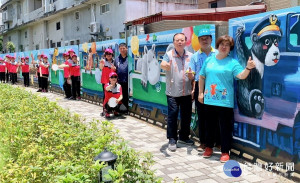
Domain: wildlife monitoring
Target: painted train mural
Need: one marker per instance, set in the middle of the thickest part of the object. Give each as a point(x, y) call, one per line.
point(267, 105)
point(267, 117)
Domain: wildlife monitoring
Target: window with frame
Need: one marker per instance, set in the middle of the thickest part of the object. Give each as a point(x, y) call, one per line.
point(58, 44)
point(37, 47)
point(58, 26)
point(77, 15)
point(25, 34)
point(72, 42)
point(21, 48)
point(53, 45)
point(104, 8)
point(160, 56)
point(213, 4)
point(120, 1)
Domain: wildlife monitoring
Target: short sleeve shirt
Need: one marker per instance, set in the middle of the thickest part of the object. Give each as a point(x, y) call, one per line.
point(219, 80)
point(198, 60)
point(177, 82)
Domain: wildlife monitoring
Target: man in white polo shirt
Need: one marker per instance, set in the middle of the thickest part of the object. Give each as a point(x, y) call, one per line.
point(178, 91)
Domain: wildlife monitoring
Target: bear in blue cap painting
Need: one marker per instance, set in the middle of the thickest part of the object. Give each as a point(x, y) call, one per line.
point(265, 36)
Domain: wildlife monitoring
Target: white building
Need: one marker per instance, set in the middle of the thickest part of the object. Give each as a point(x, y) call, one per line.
point(39, 24)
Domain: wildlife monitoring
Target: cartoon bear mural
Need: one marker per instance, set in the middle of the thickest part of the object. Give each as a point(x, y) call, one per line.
point(264, 51)
point(149, 67)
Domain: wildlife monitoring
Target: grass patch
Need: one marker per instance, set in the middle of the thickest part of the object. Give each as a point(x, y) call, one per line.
point(41, 142)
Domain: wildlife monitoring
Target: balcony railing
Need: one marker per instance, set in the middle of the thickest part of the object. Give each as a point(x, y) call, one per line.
point(33, 15)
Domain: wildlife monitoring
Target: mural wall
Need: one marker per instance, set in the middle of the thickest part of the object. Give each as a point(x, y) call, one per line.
point(268, 102)
point(90, 55)
point(147, 80)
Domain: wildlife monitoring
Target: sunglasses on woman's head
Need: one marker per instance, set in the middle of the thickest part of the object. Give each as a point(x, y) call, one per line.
point(108, 54)
point(114, 77)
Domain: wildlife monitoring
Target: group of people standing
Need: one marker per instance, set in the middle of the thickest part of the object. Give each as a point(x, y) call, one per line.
point(207, 77)
point(72, 79)
point(9, 67)
point(114, 79)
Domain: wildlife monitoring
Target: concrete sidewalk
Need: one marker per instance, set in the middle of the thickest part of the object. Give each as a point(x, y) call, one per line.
point(184, 165)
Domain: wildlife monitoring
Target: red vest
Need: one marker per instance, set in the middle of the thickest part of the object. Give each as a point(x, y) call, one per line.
point(45, 70)
point(75, 70)
point(13, 68)
point(67, 69)
point(25, 68)
point(105, 71)
point(2, 67)
point(114, 92)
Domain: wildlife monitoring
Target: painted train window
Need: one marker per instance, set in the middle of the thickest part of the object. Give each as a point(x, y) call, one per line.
point(295, 30)
point(136, 62)
point(160, 55)
point(96, 59)
point(84, 57)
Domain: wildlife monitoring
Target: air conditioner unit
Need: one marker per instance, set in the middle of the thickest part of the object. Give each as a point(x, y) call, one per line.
point(94, 27)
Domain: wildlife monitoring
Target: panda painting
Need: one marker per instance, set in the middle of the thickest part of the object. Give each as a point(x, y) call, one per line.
point(265, 36)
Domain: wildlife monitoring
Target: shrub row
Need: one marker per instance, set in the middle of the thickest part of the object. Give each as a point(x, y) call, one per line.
point(41, 142)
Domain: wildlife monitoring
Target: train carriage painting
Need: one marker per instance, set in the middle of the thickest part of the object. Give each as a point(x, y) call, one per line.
point(267, 117)
point(90, 72)
point(146, 78)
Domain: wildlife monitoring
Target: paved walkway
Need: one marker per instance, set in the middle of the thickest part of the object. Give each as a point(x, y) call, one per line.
point(184, 165)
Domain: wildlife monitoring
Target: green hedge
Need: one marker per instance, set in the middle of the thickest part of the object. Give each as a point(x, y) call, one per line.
point(41, 142)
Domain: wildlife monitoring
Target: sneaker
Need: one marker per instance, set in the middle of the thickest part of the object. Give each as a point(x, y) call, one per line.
point(186, 142)
point(72, 98)
point(39, 90)
point(107, 115)
point(224, 157)
point(172, 145)
point(116, 113)
point(208, 152)
point(201, 148)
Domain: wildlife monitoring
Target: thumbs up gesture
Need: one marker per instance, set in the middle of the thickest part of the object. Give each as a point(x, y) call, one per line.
point(250, 64)
point(190, 73)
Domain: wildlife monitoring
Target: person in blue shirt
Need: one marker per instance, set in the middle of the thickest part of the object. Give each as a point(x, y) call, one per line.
point(217, 74)
point(197, 60)
point(121, 64)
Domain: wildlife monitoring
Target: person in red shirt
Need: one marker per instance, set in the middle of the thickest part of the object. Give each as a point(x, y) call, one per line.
point(44, 73)
point(66, 66)
point(25, 70)
point(75, 77)
point(113, 96)
point(7, 63)
point(36, 64)
point(14, 66)
point(71, 52)
point(107, 66)
point(2, 70)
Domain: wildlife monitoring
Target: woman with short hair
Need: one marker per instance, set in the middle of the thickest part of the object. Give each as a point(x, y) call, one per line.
point(218, 74)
